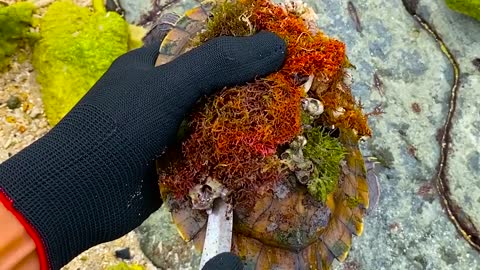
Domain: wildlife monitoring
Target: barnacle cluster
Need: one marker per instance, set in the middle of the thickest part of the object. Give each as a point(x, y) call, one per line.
point(248, 137)
point(203, 195)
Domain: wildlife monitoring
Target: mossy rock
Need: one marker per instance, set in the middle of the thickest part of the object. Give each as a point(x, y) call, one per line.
point(76, 47)
point(15, 23)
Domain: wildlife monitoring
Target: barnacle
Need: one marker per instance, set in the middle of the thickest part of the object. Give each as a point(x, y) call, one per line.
point(312, 106)
point(203, 195)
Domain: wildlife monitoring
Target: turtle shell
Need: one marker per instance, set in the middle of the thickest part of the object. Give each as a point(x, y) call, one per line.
point(287, 228)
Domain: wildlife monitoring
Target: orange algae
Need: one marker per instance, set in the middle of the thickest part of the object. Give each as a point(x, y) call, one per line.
point(316, 54)
point(235, 136)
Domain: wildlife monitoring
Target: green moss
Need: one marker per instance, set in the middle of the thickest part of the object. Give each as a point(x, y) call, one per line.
point(124, 266)
point(326, 153)
point(306, 118)
point(15, 22)
point(291, 238)
point(467, 7)
point(229, 18)
point(76, 47)
point(352, 202)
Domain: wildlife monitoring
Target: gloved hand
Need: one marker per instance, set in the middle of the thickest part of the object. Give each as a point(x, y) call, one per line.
point(92, 178)
point(224, 261)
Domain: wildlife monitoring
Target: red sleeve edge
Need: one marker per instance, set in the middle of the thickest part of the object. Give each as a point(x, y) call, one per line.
point(32, 232)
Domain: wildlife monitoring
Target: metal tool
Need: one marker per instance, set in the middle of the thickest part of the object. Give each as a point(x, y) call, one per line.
point(218, 238)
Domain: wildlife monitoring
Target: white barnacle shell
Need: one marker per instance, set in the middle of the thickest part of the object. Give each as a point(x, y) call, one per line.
point(308, 84)
point(312, 106)
point(297, 157)
point(338, 112)
point(203, 195)
point(297, 7)
point(303, 177)
point(287, 155)
point(307, 166)
point(299, 142)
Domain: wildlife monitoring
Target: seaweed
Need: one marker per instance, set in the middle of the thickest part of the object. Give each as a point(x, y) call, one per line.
point(467, 7)
point(326, 153)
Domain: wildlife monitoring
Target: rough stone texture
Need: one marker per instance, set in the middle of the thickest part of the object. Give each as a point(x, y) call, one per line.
point(409, 229)
point(136, 11)
point(161, 243)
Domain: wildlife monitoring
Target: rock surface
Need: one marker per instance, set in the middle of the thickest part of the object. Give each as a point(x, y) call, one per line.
point(409, 229)
point(161, 243)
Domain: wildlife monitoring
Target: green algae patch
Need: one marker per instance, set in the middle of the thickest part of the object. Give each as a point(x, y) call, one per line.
point(229, 18)
point(326, 153)
point(125, 266)
point(467, 7)
point(15, 23)
point(76, 47)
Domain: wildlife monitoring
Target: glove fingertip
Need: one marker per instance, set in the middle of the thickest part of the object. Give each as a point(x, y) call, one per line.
point(223, 261)
point(145, 55)
point(276, 48)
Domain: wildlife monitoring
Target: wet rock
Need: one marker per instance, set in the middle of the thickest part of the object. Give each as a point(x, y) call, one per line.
point(161, 243)
point(146, 12)
point(418, 73)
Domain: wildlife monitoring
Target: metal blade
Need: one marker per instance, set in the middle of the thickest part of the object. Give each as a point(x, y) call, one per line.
point(218, 238)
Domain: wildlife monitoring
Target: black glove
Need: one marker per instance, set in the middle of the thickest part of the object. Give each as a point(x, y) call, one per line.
point(224, 261)
point(92, 178)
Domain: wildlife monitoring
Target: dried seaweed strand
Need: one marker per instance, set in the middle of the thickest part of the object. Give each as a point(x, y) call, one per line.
point(459, 218)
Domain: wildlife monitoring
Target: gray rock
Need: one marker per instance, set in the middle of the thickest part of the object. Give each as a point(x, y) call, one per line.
point(147, 11)
point(161, 243)
point(409, 229)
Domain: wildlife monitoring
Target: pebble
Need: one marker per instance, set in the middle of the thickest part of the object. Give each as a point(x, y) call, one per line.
point(123, 254)
point(36, 112)
point(13, 102)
